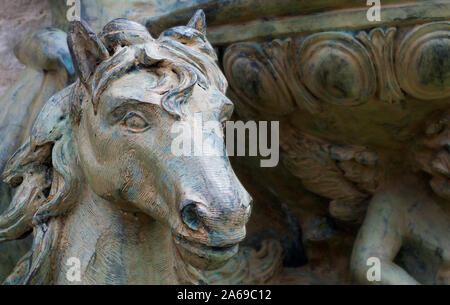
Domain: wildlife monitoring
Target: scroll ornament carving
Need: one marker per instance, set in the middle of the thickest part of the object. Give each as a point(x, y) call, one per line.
point(336, 68)
point(256, 79)
point(342, 68)
point(422, 61)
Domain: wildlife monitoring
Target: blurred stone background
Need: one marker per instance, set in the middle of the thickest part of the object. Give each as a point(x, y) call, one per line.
point(18, 17)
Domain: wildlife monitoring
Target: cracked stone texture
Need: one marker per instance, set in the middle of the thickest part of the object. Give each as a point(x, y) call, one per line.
point(17, 18)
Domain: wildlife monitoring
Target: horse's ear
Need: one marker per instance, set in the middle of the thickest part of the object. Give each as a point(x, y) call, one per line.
point(86, 49)
point(198, 21)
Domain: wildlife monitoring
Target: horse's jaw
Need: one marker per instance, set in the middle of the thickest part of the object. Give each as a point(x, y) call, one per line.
point(201, 256)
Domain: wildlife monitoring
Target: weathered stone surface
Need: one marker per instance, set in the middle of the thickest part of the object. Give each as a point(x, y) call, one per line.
point(363, 111)
point(17, 18)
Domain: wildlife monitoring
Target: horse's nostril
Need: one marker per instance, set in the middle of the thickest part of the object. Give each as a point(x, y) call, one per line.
point(247, 203)
point(189, 215)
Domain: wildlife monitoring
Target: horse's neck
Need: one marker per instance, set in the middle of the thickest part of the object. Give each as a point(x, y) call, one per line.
point(113, 246)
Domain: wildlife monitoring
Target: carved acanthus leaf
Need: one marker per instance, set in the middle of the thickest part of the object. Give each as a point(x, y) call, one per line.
point(380, 44)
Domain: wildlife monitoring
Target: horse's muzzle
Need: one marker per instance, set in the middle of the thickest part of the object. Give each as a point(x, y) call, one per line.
point(211, 234)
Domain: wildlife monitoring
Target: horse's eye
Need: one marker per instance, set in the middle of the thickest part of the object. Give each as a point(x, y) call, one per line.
point(135, 122)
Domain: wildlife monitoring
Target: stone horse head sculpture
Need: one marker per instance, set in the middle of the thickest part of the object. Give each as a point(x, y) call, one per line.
point(97, 183)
